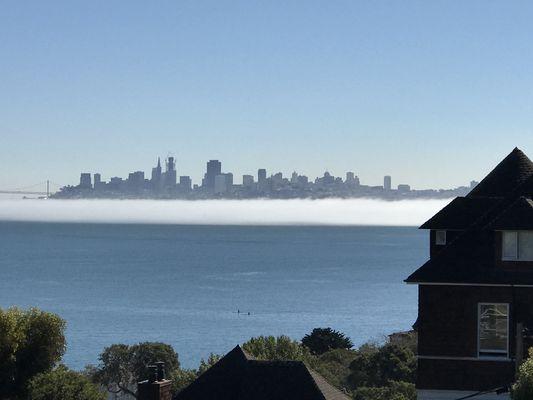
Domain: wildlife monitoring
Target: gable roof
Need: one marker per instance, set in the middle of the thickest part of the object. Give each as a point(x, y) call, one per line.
point(470, 258)
point(460, 213)
point(237, 376)
point(512, 171)
point(518, 216)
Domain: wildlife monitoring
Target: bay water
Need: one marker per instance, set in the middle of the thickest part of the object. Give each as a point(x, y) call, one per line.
point(205, 289)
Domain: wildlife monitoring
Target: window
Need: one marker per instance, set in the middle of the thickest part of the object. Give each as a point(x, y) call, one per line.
point(493, 329)
point(517, 245)
point(440, 238)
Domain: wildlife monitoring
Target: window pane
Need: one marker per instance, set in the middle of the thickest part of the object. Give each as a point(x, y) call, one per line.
point(440, 237)
point(510, 245)
point(526, 246)
point(493, 328)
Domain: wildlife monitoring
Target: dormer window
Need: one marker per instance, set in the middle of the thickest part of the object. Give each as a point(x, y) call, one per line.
point(440, 238)
point(517, 246)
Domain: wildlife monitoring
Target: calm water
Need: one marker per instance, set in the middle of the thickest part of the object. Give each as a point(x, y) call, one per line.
point(183, 285)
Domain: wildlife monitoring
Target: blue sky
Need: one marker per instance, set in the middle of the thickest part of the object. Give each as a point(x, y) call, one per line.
point(432, 92)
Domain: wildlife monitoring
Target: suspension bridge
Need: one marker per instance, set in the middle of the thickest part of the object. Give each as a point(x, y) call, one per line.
point(45, 188)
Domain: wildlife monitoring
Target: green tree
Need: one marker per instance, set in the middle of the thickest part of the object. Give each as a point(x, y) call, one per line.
point(31, 342)
point(334, 366)
point(321, 340)
point(375, 368)
point(276, 348)
point(122, 366)
point(63, 384)
point(522, 389)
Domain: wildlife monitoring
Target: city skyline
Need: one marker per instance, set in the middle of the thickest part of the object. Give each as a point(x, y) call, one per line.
point(165, 182)
point(307, 86)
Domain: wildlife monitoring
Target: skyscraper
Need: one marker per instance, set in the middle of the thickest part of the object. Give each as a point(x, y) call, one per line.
point(185, 183)
point(214, 168)
point(261, 175)
point(170, 173)
point(156, 176)
point(97, 181)
point(387, 182)
point(85, 180)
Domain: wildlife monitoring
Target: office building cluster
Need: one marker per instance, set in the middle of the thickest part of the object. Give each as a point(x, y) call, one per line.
point(164, 184)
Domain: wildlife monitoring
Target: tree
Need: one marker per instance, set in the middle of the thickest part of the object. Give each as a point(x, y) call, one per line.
point(321, 340)
point(122, 366)
point(522, 389)
point(31, 342)
point(63, 384)
point(378, 367)
point(334, 366)
point(276, 348)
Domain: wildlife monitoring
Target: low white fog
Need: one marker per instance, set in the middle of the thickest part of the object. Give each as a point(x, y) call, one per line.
point(224, 212)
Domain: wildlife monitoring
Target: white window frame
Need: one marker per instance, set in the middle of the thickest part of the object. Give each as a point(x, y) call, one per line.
point(494, 353)
point(440, 242)
point(517, 258)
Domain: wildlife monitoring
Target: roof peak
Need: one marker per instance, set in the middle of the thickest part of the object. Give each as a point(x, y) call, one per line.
point(512, 171)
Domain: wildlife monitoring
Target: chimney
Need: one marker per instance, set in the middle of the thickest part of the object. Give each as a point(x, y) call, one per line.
point(156, 387)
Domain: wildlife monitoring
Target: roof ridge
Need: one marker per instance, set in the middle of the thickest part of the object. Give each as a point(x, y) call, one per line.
point(318, 380)
point(506, 176)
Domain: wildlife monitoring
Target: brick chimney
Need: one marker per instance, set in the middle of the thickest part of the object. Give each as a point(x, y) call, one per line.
point(156, 387)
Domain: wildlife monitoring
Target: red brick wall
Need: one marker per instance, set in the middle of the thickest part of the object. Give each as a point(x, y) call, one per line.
point(447, 327)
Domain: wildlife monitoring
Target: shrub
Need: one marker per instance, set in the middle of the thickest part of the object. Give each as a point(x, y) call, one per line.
point(523, 387)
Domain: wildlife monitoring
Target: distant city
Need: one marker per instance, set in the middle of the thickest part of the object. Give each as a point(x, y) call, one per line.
point(219, 185)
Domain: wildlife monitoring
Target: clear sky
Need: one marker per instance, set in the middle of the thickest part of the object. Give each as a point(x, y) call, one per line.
point(432, 92)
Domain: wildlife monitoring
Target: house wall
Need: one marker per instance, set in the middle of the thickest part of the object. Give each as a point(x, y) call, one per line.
point(434, 248)
point(448, 333)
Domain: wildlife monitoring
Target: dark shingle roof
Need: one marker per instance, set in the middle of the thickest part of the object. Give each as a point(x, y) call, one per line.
point(512, 171)
point(518, 216)
point(470, 258)
point(460, 213)
point(237, 376)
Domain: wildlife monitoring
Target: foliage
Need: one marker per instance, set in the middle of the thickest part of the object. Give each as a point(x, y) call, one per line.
point(407, 339)
point(276, 348)
point(394, 391)
point(387, 363)
point(122, 366)
point(321, 340)
point(206, 364)
point(181, 378)
point(334, 366)
point(63, 384)
point(31, 342)
point(522, 389)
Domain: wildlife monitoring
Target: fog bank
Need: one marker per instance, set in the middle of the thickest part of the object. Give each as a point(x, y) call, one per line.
point(224, 212)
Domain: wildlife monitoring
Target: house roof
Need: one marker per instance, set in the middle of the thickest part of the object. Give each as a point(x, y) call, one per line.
point(470, 258)
point(460, 213)
point(512, 171)
point(237, 376)
point(518, 216)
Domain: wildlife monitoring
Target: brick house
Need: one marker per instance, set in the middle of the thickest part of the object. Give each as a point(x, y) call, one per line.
point(476, 290)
